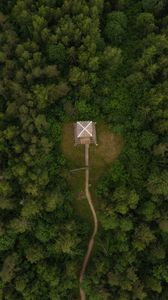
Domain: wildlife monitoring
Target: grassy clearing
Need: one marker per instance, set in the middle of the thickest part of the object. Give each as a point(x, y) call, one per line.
point(108, 149)
point(77, 182)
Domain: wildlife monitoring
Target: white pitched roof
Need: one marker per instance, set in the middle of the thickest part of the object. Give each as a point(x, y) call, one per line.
point(84, 129)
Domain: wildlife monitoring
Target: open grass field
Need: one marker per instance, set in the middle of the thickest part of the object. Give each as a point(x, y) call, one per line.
point(108, 149)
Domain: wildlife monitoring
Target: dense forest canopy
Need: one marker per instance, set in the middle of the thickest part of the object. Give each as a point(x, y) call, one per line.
point(103, 60)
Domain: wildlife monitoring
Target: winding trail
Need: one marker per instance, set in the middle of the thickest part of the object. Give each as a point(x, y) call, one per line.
point(92, 239)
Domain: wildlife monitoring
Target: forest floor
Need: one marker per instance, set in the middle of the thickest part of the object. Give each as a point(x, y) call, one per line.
point(108, 149)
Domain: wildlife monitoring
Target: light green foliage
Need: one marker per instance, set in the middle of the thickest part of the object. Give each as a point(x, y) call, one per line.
point(143, 237)
point(76, 76)
point(8, 269)
point(20, 284)
point(148, 139)
point(5, 188)
point(148, 210)
point(30, 208)
point(53, 201)
point(83, 109)
point(118, 173)
point(6, 203)
point(34, 253)
point(54, 294)
point(19, 170)
point(126, 224)
point(20, 225)
point(44, 232)
point(158, 252)
point(111, 61)
point(38, 23)
point(41, 94)
point(153, 59)
point(158, 183)
point(163, 224)
point(66, 244)
point(138, 291)
point(49, 273)
point(126, 281)
point(109, 219)
point(125, 200)
point(41, 123)
point(153, 284)
point(85, 92)
point(7, 240)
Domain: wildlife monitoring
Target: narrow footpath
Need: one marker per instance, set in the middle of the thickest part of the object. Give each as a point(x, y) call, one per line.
point(92, 239)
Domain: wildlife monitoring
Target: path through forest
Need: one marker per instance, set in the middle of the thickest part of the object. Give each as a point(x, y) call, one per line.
point(91, 241)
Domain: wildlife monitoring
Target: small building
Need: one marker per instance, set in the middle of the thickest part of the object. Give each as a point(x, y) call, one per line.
point(85, 132)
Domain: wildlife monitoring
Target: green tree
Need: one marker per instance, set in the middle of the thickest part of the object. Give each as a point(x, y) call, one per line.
point(154, 5)
point(158, 183)
point(143, 237)
point(116, 27)
point(57, 54)
point(9, 268)
point(34, 253)
point(145, 23)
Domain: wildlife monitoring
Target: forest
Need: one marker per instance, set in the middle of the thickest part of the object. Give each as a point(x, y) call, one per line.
point(68, 60)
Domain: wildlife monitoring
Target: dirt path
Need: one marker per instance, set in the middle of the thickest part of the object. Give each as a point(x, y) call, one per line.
point(91, 241)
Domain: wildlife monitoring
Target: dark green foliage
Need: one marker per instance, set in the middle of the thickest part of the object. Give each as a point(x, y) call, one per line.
point(57, 54)
point(145, 23)
point(156, 6)
point(116, 26)
point(88, 59)
point(133, 193)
